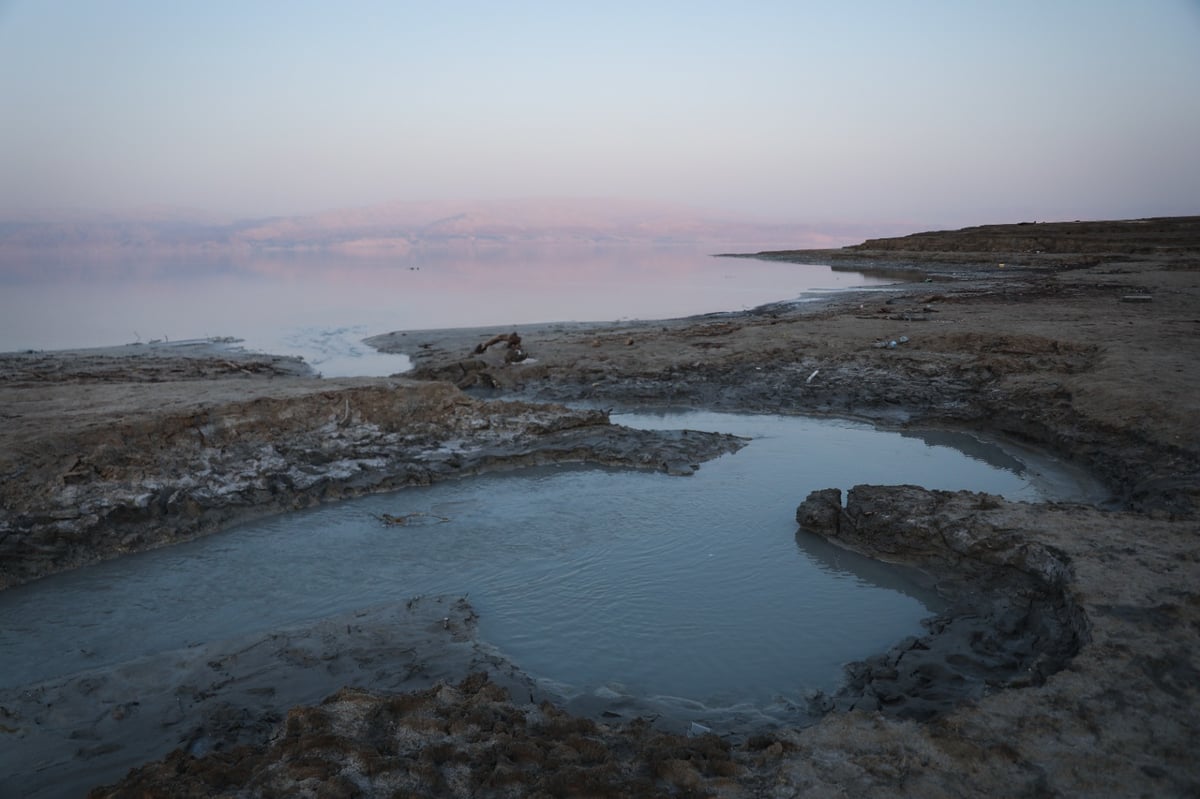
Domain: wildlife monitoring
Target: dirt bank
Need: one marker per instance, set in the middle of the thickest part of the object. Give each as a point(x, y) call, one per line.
point(108, 453)
point(1117, 588)
point(1078, 674)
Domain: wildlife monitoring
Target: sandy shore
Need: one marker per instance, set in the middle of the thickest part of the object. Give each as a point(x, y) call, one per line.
point(1082, 680)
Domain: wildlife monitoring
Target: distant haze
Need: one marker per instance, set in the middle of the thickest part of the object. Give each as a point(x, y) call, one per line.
point(923, 114)
point(397, 229)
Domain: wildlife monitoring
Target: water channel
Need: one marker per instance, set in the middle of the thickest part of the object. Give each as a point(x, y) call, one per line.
point(593, 580)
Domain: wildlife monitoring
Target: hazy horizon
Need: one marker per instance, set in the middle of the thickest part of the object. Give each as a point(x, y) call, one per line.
point(927, 114)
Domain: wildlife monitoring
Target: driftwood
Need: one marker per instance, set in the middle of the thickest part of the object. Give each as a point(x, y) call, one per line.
point(511, 342)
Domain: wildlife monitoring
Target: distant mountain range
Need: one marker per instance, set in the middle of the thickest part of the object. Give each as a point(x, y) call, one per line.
point(395, 228)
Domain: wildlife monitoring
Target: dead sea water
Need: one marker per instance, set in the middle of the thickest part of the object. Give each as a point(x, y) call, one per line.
point(595, 581)
point(321, 305)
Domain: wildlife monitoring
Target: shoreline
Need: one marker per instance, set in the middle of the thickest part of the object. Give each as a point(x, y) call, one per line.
point(1049, 355)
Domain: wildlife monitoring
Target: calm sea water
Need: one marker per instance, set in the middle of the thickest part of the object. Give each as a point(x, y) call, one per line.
point(321, 306)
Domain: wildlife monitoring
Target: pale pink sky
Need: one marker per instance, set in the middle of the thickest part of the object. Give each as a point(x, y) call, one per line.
point(932, 112)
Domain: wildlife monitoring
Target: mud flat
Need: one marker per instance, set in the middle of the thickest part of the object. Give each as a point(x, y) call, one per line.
point(1071, 667)
point(110, 452)
point(97, 724)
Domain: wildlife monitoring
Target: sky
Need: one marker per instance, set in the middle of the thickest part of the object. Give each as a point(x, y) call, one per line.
point(937, 112)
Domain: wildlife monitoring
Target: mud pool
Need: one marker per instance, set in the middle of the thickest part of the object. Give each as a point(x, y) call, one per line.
point(598, 583)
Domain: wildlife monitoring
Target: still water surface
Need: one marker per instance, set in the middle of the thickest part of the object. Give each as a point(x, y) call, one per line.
point(695, 587)
point(321, 306)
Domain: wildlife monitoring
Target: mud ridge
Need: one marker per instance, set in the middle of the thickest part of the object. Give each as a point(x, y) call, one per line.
point(144, 481)
point(1012, 621)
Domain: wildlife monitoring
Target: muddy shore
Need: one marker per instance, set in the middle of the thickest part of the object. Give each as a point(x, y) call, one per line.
point(121, 450)
point(1077, 676)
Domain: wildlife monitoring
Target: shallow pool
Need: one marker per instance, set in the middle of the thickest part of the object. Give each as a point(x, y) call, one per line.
point(593, 580)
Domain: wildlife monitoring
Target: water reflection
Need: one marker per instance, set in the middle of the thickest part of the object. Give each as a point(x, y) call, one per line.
point(970, 445)
point(838, 561)
point(270, 299)
point(890, 275)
